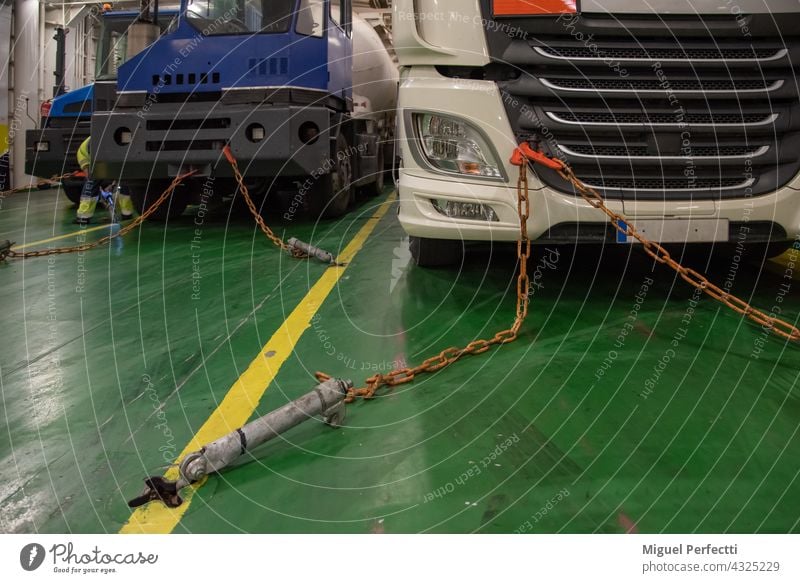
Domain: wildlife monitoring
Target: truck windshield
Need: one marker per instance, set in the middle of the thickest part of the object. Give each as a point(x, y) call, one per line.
point(240, 16)
point(112, 46)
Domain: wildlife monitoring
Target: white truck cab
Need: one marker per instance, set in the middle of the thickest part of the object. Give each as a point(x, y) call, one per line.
point(683, 114)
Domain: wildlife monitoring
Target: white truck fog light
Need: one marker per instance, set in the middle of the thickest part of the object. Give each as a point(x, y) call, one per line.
point(453, 145)
point(42, 146)
point(465, 210)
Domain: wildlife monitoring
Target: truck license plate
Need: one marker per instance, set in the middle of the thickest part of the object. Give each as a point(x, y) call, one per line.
point(679, 230)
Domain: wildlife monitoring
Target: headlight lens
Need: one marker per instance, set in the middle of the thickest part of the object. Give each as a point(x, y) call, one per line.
point(454, 145)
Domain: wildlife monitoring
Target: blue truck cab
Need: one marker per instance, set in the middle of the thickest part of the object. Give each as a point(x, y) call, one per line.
point(66, 119)
point(271, 79)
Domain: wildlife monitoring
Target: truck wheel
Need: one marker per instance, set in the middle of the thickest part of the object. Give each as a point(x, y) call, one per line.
point(375, 188)
point(436, 252)
point(72, 190)
point(332, 195)
point(145, 192)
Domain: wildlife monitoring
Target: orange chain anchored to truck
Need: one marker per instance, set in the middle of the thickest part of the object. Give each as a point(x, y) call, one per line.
point(450, 355)
point(658, 253)
point(6, 249)
point(523, 155)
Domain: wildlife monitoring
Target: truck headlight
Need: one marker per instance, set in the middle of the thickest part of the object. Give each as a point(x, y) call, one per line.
point(42, 146)
point(454, 145)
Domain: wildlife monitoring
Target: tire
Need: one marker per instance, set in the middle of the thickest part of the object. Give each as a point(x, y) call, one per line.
point(375, 188)
point(332, 195)
point(145, 193)
point(436, 252)
point(72, 190)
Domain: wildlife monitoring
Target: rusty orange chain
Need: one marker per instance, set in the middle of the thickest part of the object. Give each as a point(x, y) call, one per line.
point(777, 326)
point(9, 252)
point(44, 182)
point(280, 243)
point(450, 355)
point(86, 246)
point(522, 156)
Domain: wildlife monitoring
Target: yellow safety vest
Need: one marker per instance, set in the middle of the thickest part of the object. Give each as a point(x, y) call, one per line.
point(83, 155)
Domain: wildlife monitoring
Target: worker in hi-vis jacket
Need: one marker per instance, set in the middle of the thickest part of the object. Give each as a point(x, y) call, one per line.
point(91, 190)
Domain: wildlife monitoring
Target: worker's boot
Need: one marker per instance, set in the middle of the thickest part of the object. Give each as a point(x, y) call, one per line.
point(125, 206)
point(88, 203)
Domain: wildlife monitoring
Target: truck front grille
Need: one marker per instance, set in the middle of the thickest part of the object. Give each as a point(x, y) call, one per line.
point(655, 107)
point(73, 141)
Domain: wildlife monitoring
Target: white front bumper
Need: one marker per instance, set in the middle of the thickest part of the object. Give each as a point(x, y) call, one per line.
point(424, 89)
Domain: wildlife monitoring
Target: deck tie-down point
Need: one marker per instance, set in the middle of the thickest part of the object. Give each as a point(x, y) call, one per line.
point(158, 488)
point(326, 399)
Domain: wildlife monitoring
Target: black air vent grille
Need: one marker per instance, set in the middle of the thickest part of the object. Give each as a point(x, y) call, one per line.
point(185, 79)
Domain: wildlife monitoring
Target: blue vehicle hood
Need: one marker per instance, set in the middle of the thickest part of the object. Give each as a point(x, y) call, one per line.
point(186, 61)
point(71, 104)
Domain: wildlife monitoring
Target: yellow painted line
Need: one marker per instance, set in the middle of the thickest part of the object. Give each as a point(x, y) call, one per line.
point(788, 261)
point(59, 237)
point(242, 398)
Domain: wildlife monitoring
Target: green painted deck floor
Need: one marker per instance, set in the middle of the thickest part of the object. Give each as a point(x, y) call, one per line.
point(621, 407)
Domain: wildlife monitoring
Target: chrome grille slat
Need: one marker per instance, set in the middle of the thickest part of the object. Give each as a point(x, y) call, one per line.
point(645, 120)
point(662, 184)
point(634, 153)
point(682, 86)
point(673, 55)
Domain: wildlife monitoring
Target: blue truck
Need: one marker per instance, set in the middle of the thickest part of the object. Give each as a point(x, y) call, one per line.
point(65, 120)
point(271, 79)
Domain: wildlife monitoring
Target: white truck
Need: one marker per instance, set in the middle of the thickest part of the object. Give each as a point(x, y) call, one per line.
point(683, 114)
